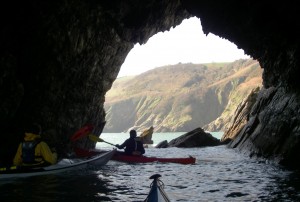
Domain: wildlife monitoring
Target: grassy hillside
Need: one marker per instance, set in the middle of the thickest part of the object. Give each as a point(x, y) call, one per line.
point(180, 97)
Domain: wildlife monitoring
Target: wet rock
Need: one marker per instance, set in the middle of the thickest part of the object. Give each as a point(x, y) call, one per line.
point(195, 138)
point(162, 144)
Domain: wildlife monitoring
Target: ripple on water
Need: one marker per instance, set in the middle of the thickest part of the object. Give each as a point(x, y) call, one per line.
point(220, 174)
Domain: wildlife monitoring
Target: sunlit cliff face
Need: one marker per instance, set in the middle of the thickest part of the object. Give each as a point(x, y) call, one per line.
point(58, 59)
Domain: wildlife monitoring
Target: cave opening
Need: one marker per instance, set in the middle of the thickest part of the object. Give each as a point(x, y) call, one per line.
point(187, 46)
point(184, 43)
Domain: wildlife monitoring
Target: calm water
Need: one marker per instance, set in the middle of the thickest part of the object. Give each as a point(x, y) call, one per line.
point(118, 138)
point(220, 174)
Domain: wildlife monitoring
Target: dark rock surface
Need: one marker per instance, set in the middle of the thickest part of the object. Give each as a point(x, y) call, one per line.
point(194, 138)
point(162, 144)
point(272, 130)
point(240, 117)
point(59, 58)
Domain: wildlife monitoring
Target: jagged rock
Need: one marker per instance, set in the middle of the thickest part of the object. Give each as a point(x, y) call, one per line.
point(264, 137)
point(237, 99)
point(162, 144)
point(146, 136)
point(195, 138)
point(240, 117)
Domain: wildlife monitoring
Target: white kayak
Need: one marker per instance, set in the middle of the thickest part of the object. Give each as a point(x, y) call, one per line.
point(61, 166)
point(157, 193)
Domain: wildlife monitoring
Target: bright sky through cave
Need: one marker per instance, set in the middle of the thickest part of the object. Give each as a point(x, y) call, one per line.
point(185, 43)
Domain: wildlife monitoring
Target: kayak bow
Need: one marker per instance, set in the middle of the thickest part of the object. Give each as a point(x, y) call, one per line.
point(157, 193)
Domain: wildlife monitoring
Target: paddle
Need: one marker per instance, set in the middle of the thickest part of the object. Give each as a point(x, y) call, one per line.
point(98, 139)
point(84, 131)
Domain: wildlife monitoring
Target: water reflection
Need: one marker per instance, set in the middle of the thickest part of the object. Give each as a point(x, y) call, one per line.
point(83, 186)
point(220, 174)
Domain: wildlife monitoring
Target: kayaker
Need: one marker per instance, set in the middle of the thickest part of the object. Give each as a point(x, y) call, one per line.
point(33, 151)
point(133, 145)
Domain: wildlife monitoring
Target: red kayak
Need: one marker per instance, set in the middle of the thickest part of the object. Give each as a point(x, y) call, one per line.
point(121, 156)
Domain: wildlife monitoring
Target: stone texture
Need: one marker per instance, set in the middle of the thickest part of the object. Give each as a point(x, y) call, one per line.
point(273, 128)
point(240, 117)
point(195, 138)
point(162, 144)
point(58, 59)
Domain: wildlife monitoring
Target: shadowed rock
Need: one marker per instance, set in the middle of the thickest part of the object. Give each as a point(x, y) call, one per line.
point(195, 138)
point(162, 144)
point(241, 116)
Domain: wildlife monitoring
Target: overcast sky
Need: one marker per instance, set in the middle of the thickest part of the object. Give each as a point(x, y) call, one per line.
point(185, 43)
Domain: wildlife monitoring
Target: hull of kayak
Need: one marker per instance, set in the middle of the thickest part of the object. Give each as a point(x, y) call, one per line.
point(120, 156)
point(61, 166)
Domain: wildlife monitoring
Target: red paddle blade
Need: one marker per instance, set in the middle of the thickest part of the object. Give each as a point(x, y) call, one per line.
point(82, 132)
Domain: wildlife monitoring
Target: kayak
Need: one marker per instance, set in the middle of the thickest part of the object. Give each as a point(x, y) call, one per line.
point(157, 193)
point(63, 165)
point(121, 156)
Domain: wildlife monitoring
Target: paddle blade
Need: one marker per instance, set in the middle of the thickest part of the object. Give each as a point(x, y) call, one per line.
point(95, 138)
point(82, 132)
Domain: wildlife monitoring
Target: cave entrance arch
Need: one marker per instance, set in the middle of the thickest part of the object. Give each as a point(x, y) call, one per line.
point(183, 38)
point(184, 43)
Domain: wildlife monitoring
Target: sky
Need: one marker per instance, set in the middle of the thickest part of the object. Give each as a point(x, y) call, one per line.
point(185, 43)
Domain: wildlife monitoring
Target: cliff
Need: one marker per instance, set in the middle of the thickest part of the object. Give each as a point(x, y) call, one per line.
point(180, 98)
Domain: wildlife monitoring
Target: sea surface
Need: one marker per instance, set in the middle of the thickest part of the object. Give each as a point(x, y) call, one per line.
point(220, 174)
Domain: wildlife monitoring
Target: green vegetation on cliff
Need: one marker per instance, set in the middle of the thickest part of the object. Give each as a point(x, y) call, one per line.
point(180, 97)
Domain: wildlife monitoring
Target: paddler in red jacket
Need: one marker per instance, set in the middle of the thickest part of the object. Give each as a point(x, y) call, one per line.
point(133, 146)
point(33, 151)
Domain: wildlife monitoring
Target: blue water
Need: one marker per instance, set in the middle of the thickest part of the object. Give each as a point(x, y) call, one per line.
point(220, 174)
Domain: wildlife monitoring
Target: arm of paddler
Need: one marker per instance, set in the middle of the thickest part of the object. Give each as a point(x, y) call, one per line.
point(18, 159)
point(47, 154)
point(125, 143)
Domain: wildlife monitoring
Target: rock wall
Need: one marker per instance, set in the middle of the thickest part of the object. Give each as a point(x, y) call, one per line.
point(272, 130)
point(264, 31)
point(58, 59)
point(240, 117)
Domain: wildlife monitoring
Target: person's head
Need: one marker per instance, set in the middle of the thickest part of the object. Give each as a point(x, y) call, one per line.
point(33, 128)
point(132, 133)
